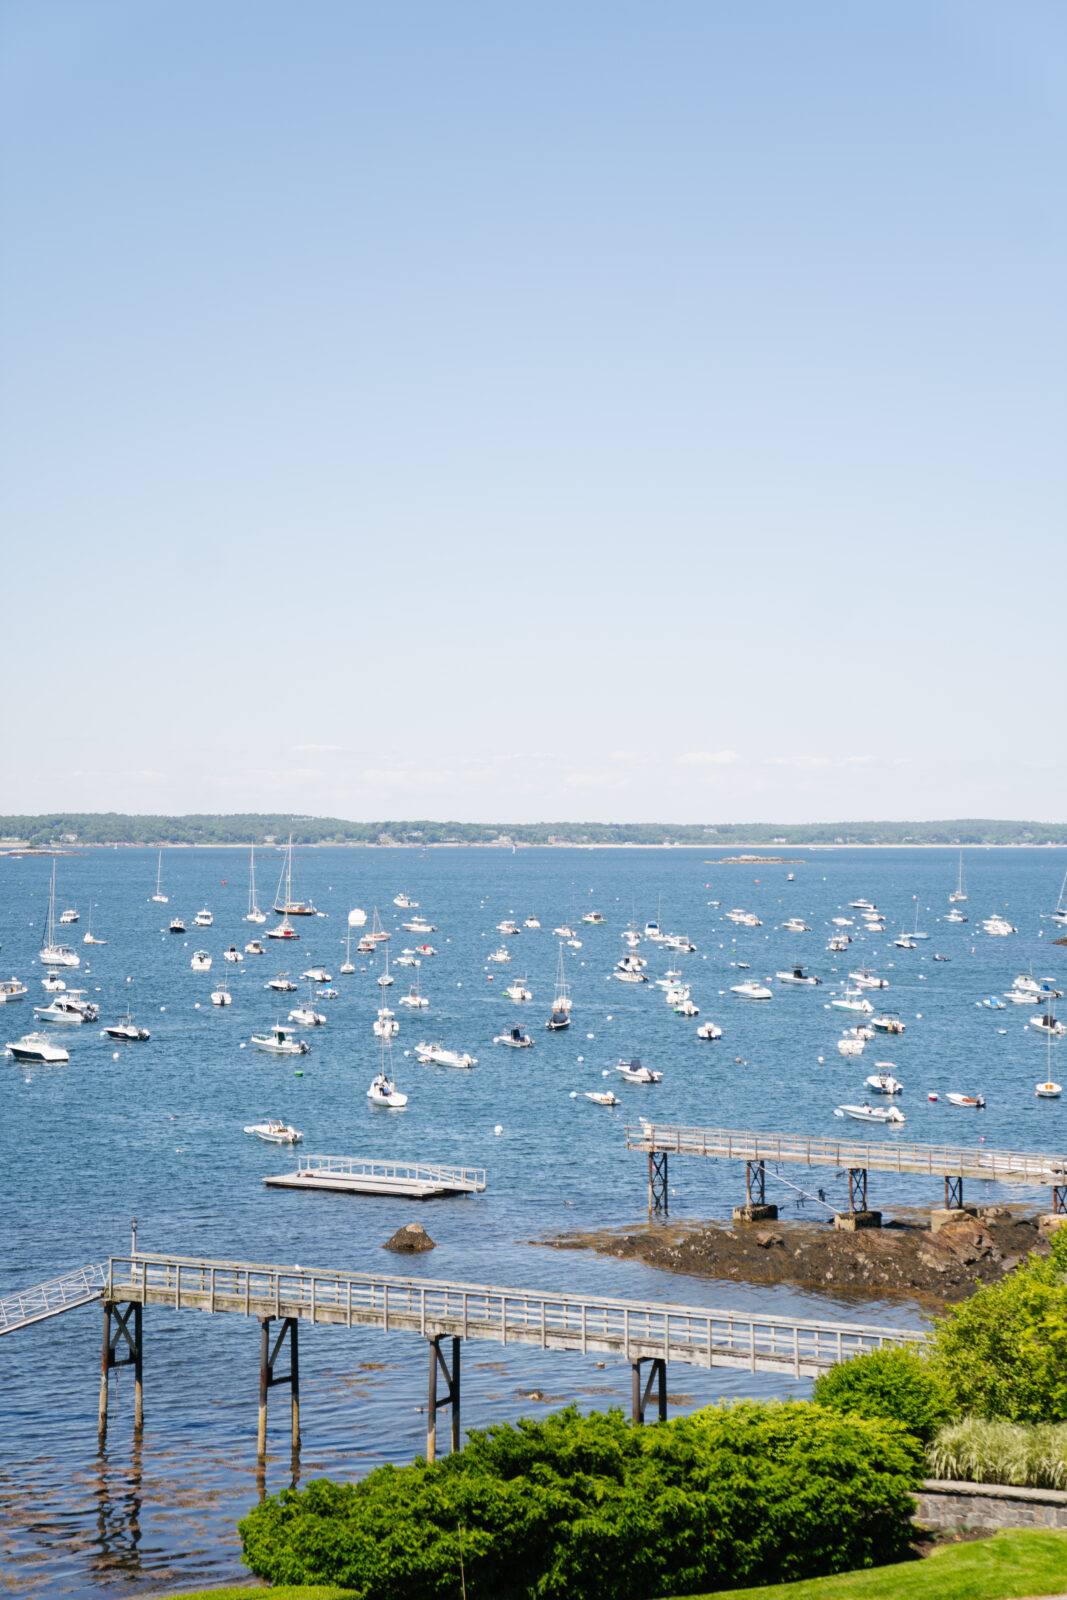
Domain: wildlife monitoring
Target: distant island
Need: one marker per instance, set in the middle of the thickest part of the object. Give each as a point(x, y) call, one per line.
point(65, 830)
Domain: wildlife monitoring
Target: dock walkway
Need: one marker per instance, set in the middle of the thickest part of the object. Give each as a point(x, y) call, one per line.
point(409, 1180)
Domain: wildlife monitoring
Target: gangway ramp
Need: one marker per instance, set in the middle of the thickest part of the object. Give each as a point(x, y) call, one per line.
point(408, 1180)
point(78, 1288)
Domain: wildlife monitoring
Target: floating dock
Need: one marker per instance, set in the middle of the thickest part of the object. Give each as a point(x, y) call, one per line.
point(405, 1180)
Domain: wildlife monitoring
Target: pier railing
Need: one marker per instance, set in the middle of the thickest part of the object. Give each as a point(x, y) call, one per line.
point(893, 1155)
point(628, 1330)
point(459, 1178)
point(49, 1299)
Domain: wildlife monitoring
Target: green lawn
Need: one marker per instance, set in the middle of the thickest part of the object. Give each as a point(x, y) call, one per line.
point(1005, 1567)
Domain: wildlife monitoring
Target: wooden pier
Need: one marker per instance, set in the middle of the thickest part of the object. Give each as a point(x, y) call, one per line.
point(283, 1297)
point(953, 1163)
point(408, 1180)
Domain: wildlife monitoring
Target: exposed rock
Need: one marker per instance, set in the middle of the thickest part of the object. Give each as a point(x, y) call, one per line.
point(410, 1239)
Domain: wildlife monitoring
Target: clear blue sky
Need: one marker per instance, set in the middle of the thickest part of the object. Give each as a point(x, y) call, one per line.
point(534, 410)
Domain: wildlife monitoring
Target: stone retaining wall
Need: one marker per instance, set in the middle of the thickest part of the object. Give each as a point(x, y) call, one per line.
point(952, 1507)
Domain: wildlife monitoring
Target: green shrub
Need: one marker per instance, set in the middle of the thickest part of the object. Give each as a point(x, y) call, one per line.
point(896, 1382)
point(1003, 1352)
point(979, 1451)
point(589, 1505)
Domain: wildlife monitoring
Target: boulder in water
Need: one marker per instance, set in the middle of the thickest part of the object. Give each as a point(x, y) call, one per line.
point(411, 1239)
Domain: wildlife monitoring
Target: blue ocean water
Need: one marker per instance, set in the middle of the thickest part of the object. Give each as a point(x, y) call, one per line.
point(156, 1134)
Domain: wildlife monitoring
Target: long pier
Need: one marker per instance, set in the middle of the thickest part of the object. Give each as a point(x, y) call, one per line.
point(953, 1163)
point(447, 1313)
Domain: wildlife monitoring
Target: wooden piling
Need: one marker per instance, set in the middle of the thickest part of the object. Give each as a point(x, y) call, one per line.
point(431, 1419)
point(264, 1385)
point(105, 1367)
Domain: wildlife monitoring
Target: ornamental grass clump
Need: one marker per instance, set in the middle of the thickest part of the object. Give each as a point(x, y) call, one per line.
point(572, 1505)
point(978, 1450)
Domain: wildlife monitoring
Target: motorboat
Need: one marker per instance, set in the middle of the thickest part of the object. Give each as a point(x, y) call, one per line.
point(852, 1000)
point(868, 1113)
point(274, 1132)
point(284, 930)
point(52, 953)
point(993, 1003)
point(676, 993)
point(365, 947)
point(203, 919)
point(177, 925)
point(709, 1030)
point(159, 897)
point(751, 990)
point(281, 983)
point(254, 948)
point(627, 974)
point(1046, 1023)
point(69, 1007)
point(405, 902)
point(975, 1102)
point(634, 1072)
point(651, 931)
point(795, 925)
point(594, 918)
point(317, 975)
point(12, 989)
point(515, 1039)
point(126, 1029)
point(862, 905)
point(843, 922)
point(797, 975)
point(850, 1047)
point(687, 1008)
point(558, 1021)
point(531, 922)
point(865, 979)
point(670, 979)
point(201, 961)
point(602, 1097)
point(1036, 989)
point(69, 916)
point(284, 903)
point(955, 916)
point(680, 941)
point(424, 950)
point(1049, 1090)
point(882, 1081)
point(38, 1047)
point(859, 1031)
point(888, 1022)
point(385, 1024)
point(501, 955)
point(565, 931)
point(220, 994)
point(280, 1041)
point(415, 1000)
point(574, 944)
point(518, 990)
point(905, 942)
point(383, 1092)
point(327, 994)
point(306, 1017)
point(420, 925)
point(253, 914)
point(232, 954)
point(998, 927)
point(406, 958)
point(436, 1055)
point(839, 942)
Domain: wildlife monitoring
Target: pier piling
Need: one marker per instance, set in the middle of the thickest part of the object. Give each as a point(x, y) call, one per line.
point(269, 1378)
point(133, 1337)
point(449, 1398)
point(657, 1375)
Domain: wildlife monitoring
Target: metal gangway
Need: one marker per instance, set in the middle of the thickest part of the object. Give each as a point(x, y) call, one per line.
point(79, 1288)
point(953, 1163)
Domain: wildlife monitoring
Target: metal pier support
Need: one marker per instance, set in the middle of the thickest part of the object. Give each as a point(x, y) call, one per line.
point(269, 1378)
point(954, 1193)
point(1059, 1198)
point(449, 1398)
point(657, 1183)
point(755, 1183)
point(132, 1358)
point(857, 1189)
point(657, 1375)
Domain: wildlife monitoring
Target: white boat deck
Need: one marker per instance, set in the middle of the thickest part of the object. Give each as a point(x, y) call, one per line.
point(408, 1180)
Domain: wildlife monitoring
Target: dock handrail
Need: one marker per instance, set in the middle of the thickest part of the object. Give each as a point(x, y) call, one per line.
point(472, 1178)
point(78, 1288)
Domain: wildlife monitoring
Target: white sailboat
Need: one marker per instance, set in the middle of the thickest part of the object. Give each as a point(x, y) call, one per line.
point(285, 905)
point(1060, 913)
point(253, 914)
point(89, 938)
point(959, 892)
point(561, 1003)
point(159, 897)
point(53, 954)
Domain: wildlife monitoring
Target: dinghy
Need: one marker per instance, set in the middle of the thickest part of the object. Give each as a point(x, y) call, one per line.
point(634, 1072)
point(883, 1081)
point(977, 1101)
point(515, 1039)
point(866, 1113)
point(709, 1030)
point(274, 1132)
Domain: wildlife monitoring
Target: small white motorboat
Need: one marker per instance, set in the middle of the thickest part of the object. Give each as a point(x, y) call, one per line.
point(531, 922)
point(797, 975)
point(254, 948)
point(203, 919)
point(839, 942)
point(274, 1132)
point(865, 979)
point(852, 1000)
point(993, 1003)
point(594, 917)
point(1049, 1090)
point(385, 1024)
point(420, 925)
point(559, 1020)
point(850, 1047)
point(436, 1055)
point(281, 1042)
point(866, 1113)
point(177, 925)
point(795, 925)
point(888, 1022)
point(281, 983)
point(1046, 1024)
point(518, 990)
point(709, 1030)
point(751, 990)
point(126, 1029)
point(13, 989)
point(415, 1000)
point(201, 961)
point(52, 983)
point(284, 930)
point(70, 916)
point(69, 1007)
point(38, 1047)
point(220, 995)
point(327, 994)
point(307, 1017)
point(515, 1039)
point(601, 1097)
point(425, 950)
point(317, 975)
point(501, 955)
point(232, 954)
point(686, 1008)
point(634, 1072)
point(883, 1081)
point(975, 1102)
point(405, 902)
point(383, 1092)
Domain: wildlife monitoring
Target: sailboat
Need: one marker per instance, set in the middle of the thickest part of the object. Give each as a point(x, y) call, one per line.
point(959, 892)
point(254, 914)
point(159, 897)
point(1060, 913)
point(89, 934)
point(288, 907)
point(53, 954)
point(561, 1004)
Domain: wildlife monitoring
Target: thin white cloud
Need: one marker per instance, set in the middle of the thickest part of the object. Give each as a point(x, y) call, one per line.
point(400, 778)
point(709, 758)
point(813, 763)
point(595, 780)
point(313, 749)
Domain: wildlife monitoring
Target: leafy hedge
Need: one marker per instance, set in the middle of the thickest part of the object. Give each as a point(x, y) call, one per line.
point(572, 1505)
point(895, 1382)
